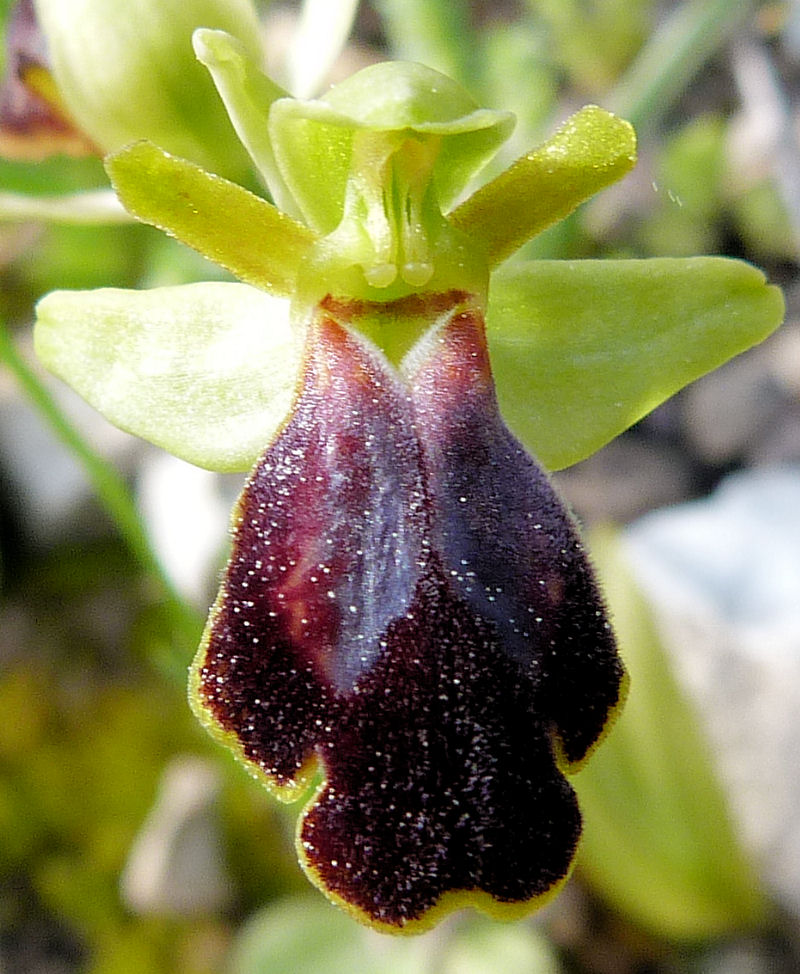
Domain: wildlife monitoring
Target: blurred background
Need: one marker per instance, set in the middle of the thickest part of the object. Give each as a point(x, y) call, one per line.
point(129, 842)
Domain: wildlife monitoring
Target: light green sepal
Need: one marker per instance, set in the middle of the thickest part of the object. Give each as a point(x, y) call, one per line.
point(206, 371)
point(589, 152)
point(313, 140)
point(581, 350)
point(238, 230)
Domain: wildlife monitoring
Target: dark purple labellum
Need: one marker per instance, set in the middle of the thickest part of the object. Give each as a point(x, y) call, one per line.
point(408, 604)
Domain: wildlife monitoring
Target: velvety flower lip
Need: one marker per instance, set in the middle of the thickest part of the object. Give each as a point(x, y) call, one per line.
point(408, 610)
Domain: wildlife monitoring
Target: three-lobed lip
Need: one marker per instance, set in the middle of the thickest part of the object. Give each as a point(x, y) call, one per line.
point(408, 612)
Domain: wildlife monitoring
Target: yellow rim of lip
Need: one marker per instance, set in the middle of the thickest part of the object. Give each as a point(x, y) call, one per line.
point(292, 791)
point(309, 772)
point(449, 902)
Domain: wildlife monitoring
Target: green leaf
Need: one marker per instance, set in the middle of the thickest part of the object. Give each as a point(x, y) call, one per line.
point(591, 150)
point(115, 495)
point(304, 935)
point(482, 946)
point(240, 231)
point(206, 371)
point(658, 843)
point(683, 40)
point(581, 350)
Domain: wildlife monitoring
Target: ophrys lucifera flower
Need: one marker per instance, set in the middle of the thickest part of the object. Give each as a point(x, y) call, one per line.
point(408, 623)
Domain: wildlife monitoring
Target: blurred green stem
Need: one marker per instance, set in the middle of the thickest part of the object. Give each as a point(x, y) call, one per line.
point(116, 498)
point(669, 61)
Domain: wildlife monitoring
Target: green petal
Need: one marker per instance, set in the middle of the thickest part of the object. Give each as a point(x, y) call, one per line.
point(590, 151)
point(658, 842)
point(248, 94)
point(583, 349)
point(206, 371)
point(313, 139)
point(240, 231)
point(127, 71)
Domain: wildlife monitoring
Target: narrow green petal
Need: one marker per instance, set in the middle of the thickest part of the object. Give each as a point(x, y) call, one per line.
point(583, 349)
point(248, 94)
point(206, 371)
point(236, 229)
point(589, 152)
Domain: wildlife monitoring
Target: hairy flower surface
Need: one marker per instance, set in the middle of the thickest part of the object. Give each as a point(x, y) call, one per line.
point(408, 633)
point(408, 609)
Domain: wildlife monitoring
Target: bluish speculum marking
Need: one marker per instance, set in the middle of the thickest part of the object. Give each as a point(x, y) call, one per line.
point(408, 603)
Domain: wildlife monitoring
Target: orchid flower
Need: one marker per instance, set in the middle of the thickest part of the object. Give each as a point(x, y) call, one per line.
point(408, 635)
